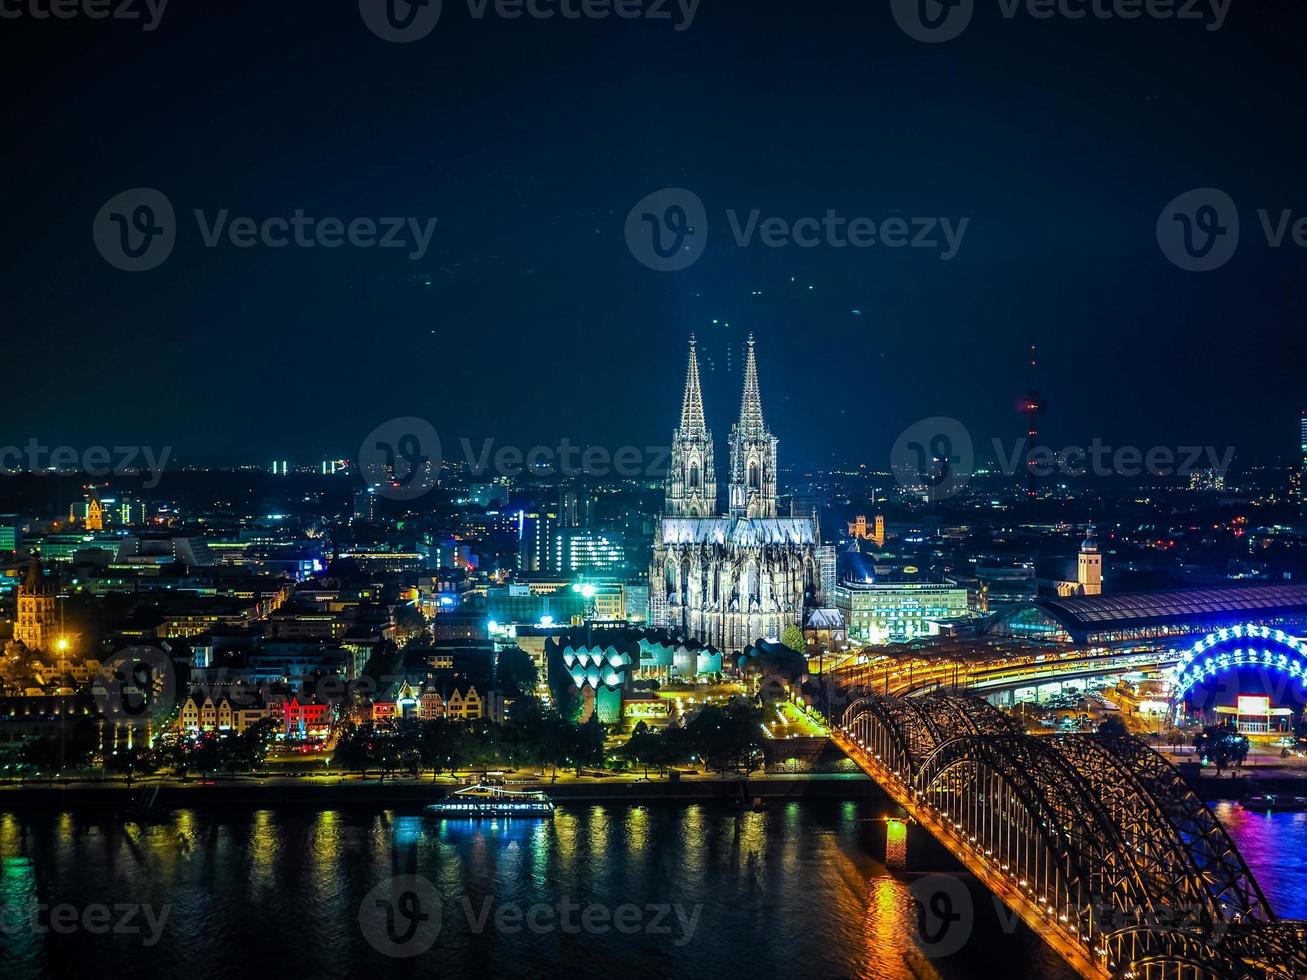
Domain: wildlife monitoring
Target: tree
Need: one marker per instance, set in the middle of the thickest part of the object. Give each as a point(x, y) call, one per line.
point(587, 744)
point(792, 637)
point(1113, 727)
point(727, 737)
point(131, 762)
point(1222, 745)
point(517, 673)
point(641, 748)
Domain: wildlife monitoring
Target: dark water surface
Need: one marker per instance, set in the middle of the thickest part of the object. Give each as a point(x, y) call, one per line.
point(698, 891)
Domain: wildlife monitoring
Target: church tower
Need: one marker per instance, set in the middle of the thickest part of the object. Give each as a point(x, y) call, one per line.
point(753, 452)
point(35, 627)
point(1089, 568)
point(691, 486)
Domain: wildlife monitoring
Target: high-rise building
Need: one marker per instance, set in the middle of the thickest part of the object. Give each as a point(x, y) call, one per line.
point(729, 581)
point(535, 532)
point(1302, 469)
point(576, 506)
point(579, 549)
point(365, 504)
point(11, 534)
point(827, 563)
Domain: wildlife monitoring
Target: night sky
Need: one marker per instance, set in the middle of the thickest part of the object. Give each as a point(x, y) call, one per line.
point(529, 320)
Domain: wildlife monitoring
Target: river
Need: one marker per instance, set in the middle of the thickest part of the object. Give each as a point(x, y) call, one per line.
point(602, 890)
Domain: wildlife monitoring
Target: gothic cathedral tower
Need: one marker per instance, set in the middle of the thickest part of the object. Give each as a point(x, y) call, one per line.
point(691, 480)
point(753, 452)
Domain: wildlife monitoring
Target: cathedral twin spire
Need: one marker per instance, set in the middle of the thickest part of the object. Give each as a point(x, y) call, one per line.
point(692, 419)
point(691, 489)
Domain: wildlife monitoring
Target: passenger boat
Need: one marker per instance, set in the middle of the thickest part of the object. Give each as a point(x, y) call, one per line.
point(1274, 803)
point(493, 801)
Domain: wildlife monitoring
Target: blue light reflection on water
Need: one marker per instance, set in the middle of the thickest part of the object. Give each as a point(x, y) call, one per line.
point(1275, 847)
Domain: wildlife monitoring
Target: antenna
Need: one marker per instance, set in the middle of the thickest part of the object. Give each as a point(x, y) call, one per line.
point(1032, 406)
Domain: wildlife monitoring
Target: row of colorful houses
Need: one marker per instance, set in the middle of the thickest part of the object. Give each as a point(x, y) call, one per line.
point(312, 719)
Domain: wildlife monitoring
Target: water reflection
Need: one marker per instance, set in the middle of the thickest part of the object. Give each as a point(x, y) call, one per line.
point(796, 889)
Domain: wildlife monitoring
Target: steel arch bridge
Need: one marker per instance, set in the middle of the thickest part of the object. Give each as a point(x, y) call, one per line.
point(1096, 842)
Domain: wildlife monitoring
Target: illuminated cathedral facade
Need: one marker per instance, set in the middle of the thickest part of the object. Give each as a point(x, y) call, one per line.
point(729, 580)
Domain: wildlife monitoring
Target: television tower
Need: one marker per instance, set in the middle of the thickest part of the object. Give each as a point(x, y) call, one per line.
point(1032, 406)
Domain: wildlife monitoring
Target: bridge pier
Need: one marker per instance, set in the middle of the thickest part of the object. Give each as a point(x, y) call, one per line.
point(896, 844)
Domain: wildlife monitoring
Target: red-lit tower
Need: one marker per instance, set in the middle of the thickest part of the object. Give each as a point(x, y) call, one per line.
point(1032, 407)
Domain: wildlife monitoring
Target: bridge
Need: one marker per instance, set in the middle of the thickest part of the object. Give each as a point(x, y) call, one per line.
point(1096, 842)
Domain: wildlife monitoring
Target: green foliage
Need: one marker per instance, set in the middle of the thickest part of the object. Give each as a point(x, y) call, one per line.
point(1222, 745)
point(728, 737)
point(517, 673)
point(792, 637)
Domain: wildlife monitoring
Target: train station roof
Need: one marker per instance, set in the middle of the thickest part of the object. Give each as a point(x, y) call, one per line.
point(1084, 617)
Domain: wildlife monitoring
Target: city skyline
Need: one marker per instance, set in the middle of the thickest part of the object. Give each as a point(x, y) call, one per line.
point(498, 488)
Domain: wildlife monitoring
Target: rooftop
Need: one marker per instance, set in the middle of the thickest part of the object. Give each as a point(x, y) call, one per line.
point(1088, 614)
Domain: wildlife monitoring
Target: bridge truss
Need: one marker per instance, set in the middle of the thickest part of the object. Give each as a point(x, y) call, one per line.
point(1097, 842)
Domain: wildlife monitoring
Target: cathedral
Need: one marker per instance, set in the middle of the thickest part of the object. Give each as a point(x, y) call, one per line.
point(729, 580)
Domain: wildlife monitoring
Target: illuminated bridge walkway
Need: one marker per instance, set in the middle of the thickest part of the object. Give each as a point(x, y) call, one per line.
point(1097, 843)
